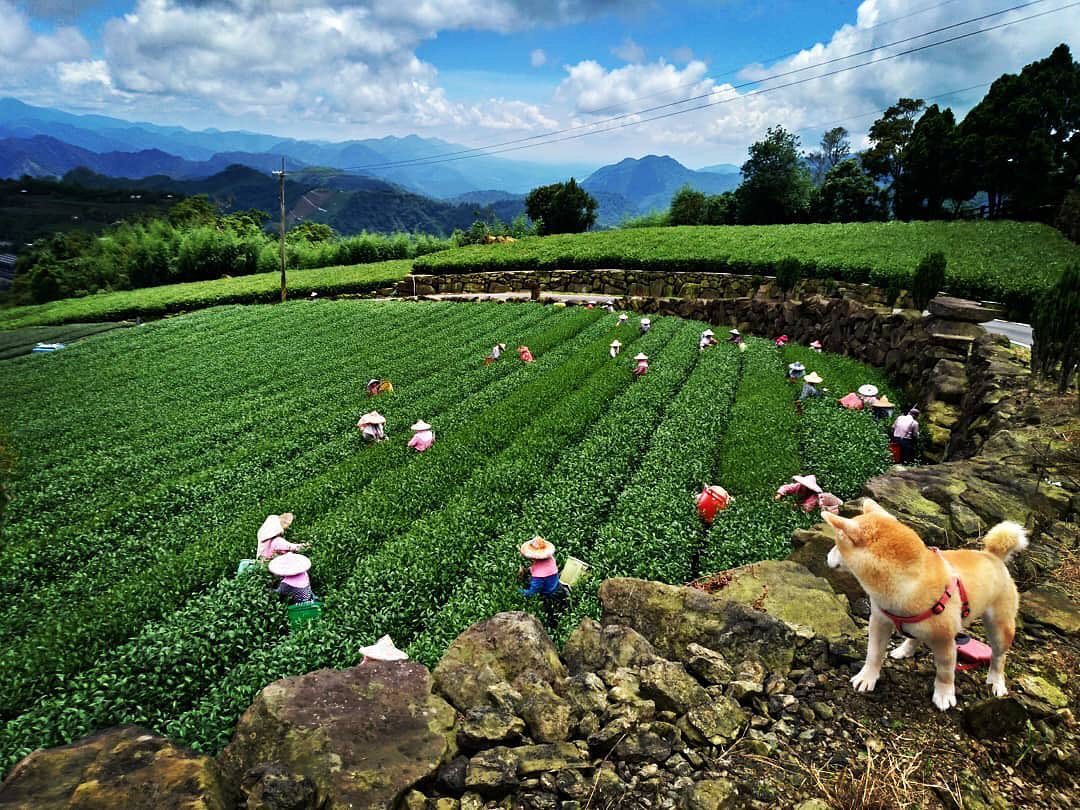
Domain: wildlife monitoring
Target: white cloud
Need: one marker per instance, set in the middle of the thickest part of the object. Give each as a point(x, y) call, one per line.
point(87, 71)
point(629, 51)
point(589, 86)
point(538, 58)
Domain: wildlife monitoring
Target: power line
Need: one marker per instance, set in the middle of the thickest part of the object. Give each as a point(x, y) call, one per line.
point(778, 57)
point(496, 148)
point(513, 146)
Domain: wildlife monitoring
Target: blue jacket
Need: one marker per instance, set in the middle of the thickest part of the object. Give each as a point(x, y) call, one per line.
point(542, 586)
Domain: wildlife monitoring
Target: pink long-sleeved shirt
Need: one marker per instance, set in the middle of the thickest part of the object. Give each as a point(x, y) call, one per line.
point(422, 441)
point(268, 549)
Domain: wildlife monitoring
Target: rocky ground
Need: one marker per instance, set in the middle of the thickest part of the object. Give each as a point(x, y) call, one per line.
point(680, 698)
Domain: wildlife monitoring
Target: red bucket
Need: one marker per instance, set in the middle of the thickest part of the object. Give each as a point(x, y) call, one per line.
point(897, 452)
point(710, 501)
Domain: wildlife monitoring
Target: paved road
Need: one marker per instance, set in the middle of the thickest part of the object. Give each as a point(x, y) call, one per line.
point(1016, 332)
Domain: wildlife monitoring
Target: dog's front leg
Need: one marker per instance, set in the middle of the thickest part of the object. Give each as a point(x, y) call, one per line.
point(944, 648)
point(880, 630)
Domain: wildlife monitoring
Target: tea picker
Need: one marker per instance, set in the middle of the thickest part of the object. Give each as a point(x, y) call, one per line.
point(496, 353)
point(524, 354)
point(816, 346)
point(615, 348)
point(882, 409)
point(642, 367)
point(423, 436)
point(867, 393)
point(543, 577)
point(809, 388)
point(796, 371)
point(376, 387)
point(295, 587)
point(781, 341)
point(905, 433)
point(645, 325)
point(710, 500)
point(808, 494)
point(371, 427)
point(623, 318)
point(706, 340)
point(735, 337)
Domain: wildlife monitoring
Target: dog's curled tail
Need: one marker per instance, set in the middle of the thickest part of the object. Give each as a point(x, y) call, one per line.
point(1005, 540)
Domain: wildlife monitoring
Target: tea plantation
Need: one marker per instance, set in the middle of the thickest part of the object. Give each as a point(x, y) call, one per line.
point(146, 459)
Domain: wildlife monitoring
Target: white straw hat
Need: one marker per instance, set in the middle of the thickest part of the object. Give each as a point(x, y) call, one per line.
point(708, 332)
point(289, 564)
point(645, 320)
point(641, 356)
point(421, 425)
point(383, 650)
point(808, 481)
point(271, 528)
point(868, 390)
point(615, 344)
point(796, 366)
point(537, 549)
point(734, 332)
point(813, 378)
point(371, 418)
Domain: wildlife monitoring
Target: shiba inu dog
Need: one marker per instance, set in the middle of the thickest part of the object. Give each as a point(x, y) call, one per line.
point(927, 595)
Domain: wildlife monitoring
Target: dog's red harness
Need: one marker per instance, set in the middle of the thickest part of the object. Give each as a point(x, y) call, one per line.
point(955, 585)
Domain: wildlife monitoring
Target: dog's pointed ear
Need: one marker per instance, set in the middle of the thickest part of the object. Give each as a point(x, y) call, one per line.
point(850, 529)
point(872, 507)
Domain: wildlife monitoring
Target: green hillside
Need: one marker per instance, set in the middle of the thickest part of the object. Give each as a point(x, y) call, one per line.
point(148, 457)
point(1007, 261)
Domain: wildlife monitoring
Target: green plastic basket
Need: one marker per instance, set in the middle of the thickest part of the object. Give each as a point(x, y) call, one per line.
point(302, 613)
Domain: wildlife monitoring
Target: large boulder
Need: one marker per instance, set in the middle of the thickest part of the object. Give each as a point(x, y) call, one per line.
point(593, 647)
point(756, 614)
point(126, 767)
point(364, 736)
point(1052, 608)
point(508, 649)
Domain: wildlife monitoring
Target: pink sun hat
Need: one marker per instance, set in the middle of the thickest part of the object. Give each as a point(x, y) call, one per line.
point(808, 481)
point(289, 565)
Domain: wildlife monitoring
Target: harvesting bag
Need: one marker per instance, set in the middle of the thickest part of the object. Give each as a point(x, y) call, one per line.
point(971, 653)
point(572, 571)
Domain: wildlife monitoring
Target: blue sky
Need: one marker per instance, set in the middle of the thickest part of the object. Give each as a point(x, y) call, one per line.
point(481, 72)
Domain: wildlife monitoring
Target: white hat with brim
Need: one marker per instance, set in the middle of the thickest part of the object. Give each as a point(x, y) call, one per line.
point(707, 333)
point(641, 356)
point(372, 418)
point(383, 650)
point(813, 378)
point(882, 402)
point(537, 549)
point(734, 332)
point(421, 425)
point(373, 381)
point(645, 320)
point(502, 346)
point(615, 344)
point(808, 481)
point(270, 528)
point(796, 366)
point(289, 564)
point(868, 390)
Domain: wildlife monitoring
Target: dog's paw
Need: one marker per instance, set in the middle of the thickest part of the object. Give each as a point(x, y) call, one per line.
point(905, 650)
point(997, 685)
point(865, 680)
point(944, 697)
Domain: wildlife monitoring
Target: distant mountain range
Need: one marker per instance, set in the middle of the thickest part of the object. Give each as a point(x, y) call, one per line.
point(373, 184)
point(640, 186)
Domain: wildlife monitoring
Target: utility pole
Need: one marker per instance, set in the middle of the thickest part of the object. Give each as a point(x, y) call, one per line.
point(281, 176)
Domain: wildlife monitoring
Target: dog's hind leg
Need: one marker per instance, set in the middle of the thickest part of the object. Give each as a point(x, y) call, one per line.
point(944, 648)
point(880, 630)
point(905, 650)
point(1000, 632)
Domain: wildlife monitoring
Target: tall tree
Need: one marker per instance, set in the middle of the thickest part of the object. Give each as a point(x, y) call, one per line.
point(932, 175)
point(850, 195)
point(886, 159)
point(561, 208)
point(835, 148)
point(1021, 141)
point(776, 186)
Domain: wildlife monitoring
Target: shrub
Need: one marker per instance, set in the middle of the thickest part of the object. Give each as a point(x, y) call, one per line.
point(788, 271)
point(929, 279)
point(1056, 324)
